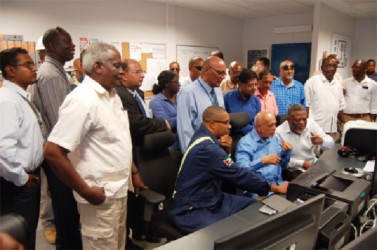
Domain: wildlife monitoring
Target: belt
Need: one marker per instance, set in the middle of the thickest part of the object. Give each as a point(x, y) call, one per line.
point(357, 115)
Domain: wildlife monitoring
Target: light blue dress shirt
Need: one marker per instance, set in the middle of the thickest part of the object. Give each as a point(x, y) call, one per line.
point(21, 140)
point(191, 103)
point(250, 150)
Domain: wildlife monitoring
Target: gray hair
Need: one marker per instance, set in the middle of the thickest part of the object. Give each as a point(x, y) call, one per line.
point(295, 107)
point(97, 52)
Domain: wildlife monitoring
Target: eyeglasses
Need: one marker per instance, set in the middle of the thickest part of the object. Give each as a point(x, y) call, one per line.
point(250, 85)
point(222, 122)
point(29, 65)
point(218, 72)
point(288, 67)
point(138, 72)
point(198, 67)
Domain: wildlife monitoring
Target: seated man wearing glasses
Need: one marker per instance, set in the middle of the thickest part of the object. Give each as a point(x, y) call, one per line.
point(195, 68)
point(195, 98)
point(243, 99)
point(287, 90)
point(198, 198)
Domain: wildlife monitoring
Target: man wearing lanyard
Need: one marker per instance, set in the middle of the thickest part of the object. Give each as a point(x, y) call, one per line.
point(195, 98)
point(21, 140)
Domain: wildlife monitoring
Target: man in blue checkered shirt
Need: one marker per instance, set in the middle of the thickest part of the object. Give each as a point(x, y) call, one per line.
point(287, 90)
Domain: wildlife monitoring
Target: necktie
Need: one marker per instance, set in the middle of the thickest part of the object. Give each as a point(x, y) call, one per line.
point(140, 104)
point(214, 98)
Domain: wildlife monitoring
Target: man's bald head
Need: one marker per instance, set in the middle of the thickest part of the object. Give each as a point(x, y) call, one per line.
point(265, 124)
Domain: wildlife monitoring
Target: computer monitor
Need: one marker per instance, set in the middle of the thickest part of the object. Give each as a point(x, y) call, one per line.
point(294, 228)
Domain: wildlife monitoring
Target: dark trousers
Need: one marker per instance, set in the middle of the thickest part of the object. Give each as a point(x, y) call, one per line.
point(23, 201)
point(66, 216)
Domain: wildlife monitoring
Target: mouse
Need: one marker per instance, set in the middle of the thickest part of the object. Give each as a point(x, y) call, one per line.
point(351, 170)
point(368, 177)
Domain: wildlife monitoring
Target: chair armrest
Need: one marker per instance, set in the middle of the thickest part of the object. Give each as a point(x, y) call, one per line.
point(152, 197)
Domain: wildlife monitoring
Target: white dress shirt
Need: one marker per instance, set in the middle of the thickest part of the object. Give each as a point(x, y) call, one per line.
point(21, 140)
point(93, 126)
point(361, 97)
point(325, 99)
point(303, 148)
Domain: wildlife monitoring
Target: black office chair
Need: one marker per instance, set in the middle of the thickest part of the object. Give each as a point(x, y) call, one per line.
point(16, 226)
point(159, 172)
point(238, 120)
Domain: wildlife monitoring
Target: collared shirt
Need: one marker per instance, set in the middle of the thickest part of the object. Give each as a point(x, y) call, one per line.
point(146, 109)
point(288, 95)
point(191, 103)
point(325, 99)
point(52, 87)
point(186, 81)
point(303, 148)
point(94, 127)
point(234, 103)
point(250, 150)
point(21, 140)
point(268, 103)
point(374, 77)
point(361, 97)
point(162, 107)
point(227, 85)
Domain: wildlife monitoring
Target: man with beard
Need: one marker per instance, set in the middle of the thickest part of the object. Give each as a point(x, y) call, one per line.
point(324, 97)
point(287, 90)
point(196, 97)
point(304, 134)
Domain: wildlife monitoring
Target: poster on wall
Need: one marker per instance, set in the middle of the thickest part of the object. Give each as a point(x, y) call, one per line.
point(254, 54)
point(341, 46)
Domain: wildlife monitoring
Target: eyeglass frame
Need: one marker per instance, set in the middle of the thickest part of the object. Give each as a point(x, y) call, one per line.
point(198, 67)
point(288, 67)
point(222, 122)
point(218, 72)
point(28, 65)
point(137, 72)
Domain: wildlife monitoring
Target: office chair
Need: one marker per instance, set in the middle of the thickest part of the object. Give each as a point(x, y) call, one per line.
point(159, 172)
point(238, 120)
point(16, 226)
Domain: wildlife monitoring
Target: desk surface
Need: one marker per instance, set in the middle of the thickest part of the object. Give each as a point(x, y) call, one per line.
point(204, 238)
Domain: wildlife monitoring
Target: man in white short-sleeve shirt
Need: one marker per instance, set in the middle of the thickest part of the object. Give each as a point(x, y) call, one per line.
point(90, 150)
point(324, 97)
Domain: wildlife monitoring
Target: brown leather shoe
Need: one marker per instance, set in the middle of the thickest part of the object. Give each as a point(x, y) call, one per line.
point(50, 235)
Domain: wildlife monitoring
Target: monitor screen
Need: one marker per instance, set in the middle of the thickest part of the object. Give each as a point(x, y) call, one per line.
point(294, 228)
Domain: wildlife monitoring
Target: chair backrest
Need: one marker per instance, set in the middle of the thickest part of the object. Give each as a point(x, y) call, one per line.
point(157, 168)
point(238, 120)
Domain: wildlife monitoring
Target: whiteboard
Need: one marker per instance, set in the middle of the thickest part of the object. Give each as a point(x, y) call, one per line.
point(186, 52)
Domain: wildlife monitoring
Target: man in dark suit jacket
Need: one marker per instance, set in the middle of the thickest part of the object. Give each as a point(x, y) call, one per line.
point(140, 117)
point(141, 123)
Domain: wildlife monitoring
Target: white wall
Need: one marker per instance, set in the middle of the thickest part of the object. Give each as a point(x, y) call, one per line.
point(365, 39)
point(259, 32)
point(326, 22)
point(124, 21)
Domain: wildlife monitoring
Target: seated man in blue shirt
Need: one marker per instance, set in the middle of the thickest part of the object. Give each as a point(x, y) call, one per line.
point(261, 151)
point(198, 199)
point(243, 99)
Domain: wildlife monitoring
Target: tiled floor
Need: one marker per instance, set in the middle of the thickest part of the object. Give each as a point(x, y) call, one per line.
point(42, 243)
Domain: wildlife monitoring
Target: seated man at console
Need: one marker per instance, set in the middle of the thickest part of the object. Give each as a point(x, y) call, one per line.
point(261, 151)
point(198, 199)
point(304, 134)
